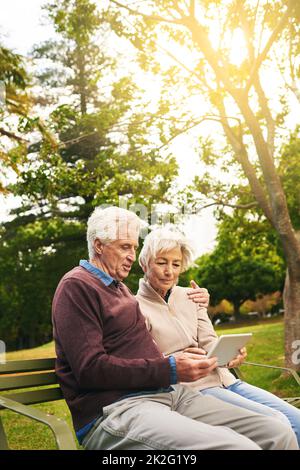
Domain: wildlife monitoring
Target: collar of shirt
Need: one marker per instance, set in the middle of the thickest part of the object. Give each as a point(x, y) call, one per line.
point(168, 295)
point(104, 277)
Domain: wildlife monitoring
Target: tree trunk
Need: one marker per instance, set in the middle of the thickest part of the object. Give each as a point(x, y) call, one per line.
point(82, 81)
point(289, 238)
point(236, 311)
point(291, 302)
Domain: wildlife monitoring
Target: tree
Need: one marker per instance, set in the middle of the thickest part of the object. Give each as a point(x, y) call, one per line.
point(95, 146)
point(236, 95)
point(14, 81)
point(244, 264)
point(29, 273)
point(289, 172)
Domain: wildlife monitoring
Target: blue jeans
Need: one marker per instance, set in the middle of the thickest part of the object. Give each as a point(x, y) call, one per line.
point(258, 400)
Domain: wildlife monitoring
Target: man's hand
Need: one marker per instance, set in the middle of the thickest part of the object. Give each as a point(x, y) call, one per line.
point(198, 295)
point(191, 366)
point(239, 359)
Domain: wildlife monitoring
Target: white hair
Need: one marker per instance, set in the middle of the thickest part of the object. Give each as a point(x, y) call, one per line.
point(110, 224)
point(165, 239)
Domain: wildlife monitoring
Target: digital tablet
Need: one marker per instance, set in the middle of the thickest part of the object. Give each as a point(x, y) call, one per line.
point(227, 347)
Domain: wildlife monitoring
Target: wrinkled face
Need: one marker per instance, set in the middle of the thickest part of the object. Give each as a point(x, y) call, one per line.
point(116, 258)
point(164, 270)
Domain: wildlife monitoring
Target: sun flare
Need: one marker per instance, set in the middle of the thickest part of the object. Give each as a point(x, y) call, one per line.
point(238, 47)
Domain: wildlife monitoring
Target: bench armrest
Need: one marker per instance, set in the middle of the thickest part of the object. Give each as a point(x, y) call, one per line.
point(60, 429)
point(287, 369)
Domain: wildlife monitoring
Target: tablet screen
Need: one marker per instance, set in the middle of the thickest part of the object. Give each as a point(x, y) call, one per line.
point(227, 347)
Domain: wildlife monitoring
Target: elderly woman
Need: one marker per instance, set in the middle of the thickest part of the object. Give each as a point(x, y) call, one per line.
point(177, 320)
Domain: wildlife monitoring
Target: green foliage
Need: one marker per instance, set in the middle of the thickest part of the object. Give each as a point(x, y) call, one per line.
point(289, 170)
point(244, 264)
point(15, 80)
point(12, 70)
point(193, 49)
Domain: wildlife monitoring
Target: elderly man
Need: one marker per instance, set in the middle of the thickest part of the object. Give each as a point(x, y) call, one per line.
point(121, 390)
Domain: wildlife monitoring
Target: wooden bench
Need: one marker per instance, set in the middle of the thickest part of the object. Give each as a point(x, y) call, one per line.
point(16, 377)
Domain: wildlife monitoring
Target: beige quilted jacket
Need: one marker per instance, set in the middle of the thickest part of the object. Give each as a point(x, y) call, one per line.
point(179, 324)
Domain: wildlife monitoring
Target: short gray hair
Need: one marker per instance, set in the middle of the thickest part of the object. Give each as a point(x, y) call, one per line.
point(165, 239)
point(110, 224)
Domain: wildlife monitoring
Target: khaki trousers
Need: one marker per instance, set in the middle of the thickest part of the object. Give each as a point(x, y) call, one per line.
point(185, 420)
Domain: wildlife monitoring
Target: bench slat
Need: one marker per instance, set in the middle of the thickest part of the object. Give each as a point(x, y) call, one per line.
point(29, 380)
point(35, 396)
point(27, 365)
point(295, 401)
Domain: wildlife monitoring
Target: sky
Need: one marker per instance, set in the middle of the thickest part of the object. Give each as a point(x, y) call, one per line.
point(21, 26)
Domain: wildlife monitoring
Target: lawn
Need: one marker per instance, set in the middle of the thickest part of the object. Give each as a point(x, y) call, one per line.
point(266, 347)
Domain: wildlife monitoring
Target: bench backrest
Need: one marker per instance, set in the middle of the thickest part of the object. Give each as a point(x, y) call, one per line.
point(17, 375)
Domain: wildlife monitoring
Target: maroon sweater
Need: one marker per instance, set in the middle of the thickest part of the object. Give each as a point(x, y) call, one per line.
point(103, 348)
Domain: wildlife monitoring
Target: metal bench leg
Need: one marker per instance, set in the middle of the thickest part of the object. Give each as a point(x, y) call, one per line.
point(3, 440)
point(60, 429)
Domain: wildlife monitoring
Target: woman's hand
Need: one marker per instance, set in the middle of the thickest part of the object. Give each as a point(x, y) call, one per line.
point(194, 352)
point(239, 359)
point(198, 295)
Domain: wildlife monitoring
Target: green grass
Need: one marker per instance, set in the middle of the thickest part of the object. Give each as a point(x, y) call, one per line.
point(47, 350)
point(266, 347)
point(24, 433)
